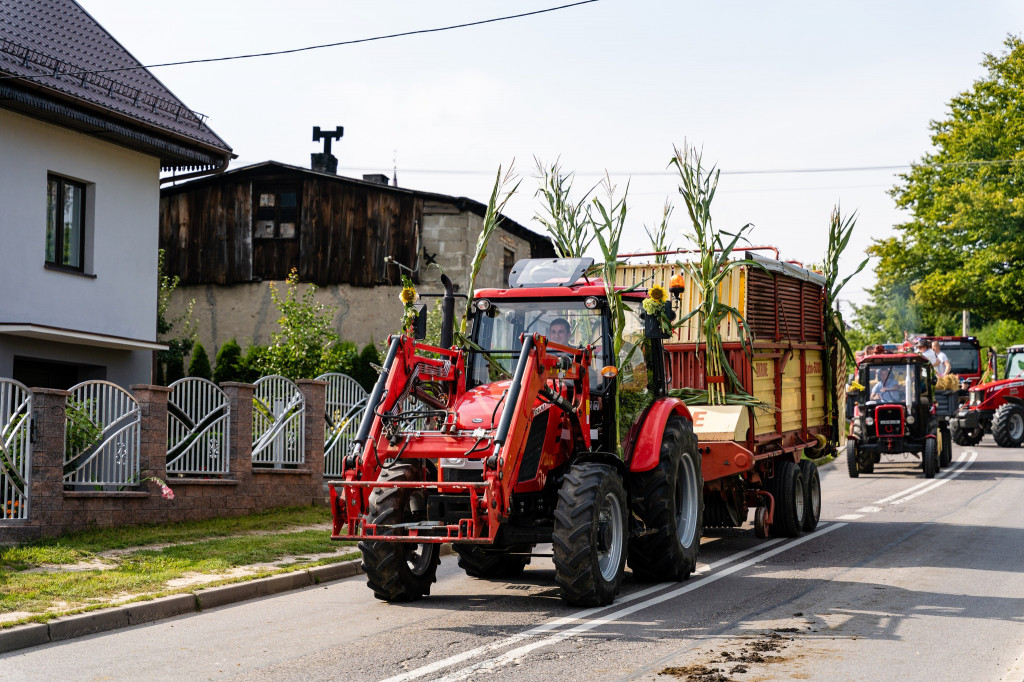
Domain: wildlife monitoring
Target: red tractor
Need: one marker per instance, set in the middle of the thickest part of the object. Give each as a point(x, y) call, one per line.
point(515, 443)
point(996, 407)
point(964, 355)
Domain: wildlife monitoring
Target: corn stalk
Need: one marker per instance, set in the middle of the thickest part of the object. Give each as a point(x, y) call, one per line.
point(697, 187)
point(500, 194)
point(659, 238)
point(567, 221)
point(839, 351)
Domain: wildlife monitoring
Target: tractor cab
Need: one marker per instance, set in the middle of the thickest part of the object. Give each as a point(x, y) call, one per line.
point(1014, 362)
point(892, 412)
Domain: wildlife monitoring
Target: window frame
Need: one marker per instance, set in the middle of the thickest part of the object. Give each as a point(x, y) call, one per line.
point(58, 227)
point(277, 192)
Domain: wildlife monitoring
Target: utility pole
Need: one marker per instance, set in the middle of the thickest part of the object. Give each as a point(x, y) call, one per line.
point(966, 323)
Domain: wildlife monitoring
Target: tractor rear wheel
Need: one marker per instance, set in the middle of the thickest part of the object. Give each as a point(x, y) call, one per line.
point(669, 501)
point(812, 494)
point(590, 535)
point(930, 458)
point(399, 571)
point(486, 562)
point(787, 487)
point(851, 458)
point(945, 448)
point(967, 437)
point(1008, 425)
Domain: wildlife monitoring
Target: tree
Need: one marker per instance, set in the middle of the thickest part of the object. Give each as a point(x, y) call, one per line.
point(963, 247)
point(228, 358)
point(199, 366)
point(170, 364)
point(302, 347)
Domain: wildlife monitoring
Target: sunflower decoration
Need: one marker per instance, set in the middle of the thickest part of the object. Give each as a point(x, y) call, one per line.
point(408, 298)
point(654, 306)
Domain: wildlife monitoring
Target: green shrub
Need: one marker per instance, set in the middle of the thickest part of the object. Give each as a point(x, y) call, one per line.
point(363, 372)
point(200, 363)
point(228, 362)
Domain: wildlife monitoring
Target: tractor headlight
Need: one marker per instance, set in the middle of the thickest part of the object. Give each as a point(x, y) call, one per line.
point(910, 419)
point(869, 421)
point(483, 305)
point(590, 302)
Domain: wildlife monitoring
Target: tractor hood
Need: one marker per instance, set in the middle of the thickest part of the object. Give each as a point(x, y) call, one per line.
point(1015, 382)
point(479, 409)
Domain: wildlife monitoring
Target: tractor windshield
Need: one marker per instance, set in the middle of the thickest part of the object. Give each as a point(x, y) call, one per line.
point(497, 330)
point(964, 356)
point(1015, 364)
point(886, 383)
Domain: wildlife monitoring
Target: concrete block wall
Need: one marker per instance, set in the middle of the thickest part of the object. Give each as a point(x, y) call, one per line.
point(246, 489)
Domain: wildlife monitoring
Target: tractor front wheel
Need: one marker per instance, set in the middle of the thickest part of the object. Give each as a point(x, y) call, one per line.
point(967, 437)
point(851, 458)
point(485, 562)
point(945, 448)
point(590, 535)
point(930, 458)
point(1008, 425)
point(669, 502)
point(399, 571)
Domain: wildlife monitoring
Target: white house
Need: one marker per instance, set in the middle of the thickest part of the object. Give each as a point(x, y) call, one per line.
point(84, 135)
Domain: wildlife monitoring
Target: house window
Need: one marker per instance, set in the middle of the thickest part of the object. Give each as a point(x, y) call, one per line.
point(277, 214)
point(65, 222)
point(508, 262)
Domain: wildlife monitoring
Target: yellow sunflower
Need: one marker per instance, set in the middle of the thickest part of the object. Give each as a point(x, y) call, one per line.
point(408, 295)
point(658, 293)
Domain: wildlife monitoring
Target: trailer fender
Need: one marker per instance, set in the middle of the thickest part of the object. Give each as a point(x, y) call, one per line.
point(647, 449)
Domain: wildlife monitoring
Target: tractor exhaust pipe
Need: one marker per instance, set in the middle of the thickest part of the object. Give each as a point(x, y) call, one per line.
point(447, 312)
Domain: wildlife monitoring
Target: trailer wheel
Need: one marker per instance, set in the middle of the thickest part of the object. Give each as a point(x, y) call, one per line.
point(399, 571)
point(484, 562)
point(967, 437)
point(1008, 425)
point(812, 494)
point(930, 458)
point(851, 458)
point(589, 540)
point(669, 500)
point(945, 448)
point(787, 487)
point(761, 523)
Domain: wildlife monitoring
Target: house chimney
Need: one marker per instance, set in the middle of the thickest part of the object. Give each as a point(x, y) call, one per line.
point(378, 178)
point(325, 162)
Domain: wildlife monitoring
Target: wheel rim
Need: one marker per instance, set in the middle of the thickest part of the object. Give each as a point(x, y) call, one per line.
point(418, 558)
point(1016, 426)
point(798, 503)
point(609, 534)
point(686, 501)
point(815, 496)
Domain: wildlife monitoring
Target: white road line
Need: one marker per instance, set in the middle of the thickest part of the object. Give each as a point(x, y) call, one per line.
point(936, 484)
point(511, 656)
point(869, 510)
point(922, 484)
point(850, 517)
point(579, 615)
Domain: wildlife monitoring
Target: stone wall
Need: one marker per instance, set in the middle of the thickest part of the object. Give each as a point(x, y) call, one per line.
point(246, 489)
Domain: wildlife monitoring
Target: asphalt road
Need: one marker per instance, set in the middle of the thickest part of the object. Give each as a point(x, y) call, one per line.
point(905, 579)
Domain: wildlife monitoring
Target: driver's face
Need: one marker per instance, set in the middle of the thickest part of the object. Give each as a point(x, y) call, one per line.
point(558, 333)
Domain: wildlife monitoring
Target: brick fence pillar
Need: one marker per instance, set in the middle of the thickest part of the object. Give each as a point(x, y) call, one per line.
point(152, 429)
point(314, 393)
point(240, 402)
point(46, 499)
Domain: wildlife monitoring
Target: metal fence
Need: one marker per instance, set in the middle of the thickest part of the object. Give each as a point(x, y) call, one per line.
point(102, 436)
point(277, 423)
point(198, 428)
point(343, 408)
point(15, 450)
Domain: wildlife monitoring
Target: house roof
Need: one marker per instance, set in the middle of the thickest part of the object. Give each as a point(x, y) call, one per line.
point(96, 78)
point(539, 241)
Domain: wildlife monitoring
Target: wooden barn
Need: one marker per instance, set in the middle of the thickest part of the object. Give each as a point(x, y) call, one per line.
point(224, 235)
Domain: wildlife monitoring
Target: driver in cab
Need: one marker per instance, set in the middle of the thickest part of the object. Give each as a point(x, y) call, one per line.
point(558, 331)
point(887, 389)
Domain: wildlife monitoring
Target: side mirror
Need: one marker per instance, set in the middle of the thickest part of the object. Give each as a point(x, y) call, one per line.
point(419, 329)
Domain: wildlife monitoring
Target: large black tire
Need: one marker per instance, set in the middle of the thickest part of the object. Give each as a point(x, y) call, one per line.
point(812, 494)
point(787, 487)
point(852, 467)
point(1008, 425)
point(930, 458)
point(486, 562)
point(967, 437)
point(399, 571)
point(590, 535)
point(868, 462)
point(945, 448)
point(669, 500)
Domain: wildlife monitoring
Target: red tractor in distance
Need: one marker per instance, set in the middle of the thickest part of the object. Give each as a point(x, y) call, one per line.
point(996, 407)
point(964, 353)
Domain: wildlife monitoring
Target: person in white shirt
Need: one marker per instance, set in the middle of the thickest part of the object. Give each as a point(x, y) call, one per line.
point(941, 363)
point(927, 353)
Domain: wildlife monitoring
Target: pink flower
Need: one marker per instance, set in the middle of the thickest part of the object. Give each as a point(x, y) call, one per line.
point(167, 493)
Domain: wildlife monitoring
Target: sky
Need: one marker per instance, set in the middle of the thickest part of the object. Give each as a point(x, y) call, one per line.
point(608, 86)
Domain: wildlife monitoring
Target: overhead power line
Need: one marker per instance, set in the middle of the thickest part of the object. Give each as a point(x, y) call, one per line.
point(309, 48)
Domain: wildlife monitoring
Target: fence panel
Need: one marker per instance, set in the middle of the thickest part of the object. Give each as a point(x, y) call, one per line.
point(278, 412)
point(343, 408)
point(15, 450)
point(198, 428)
point(102, 436)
